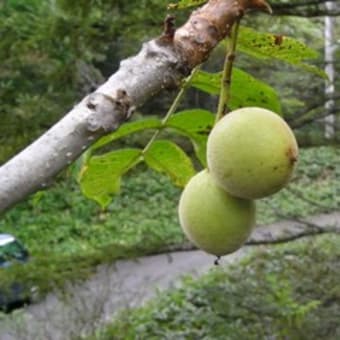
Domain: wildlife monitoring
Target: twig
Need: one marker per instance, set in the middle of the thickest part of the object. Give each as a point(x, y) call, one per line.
point(226, 74)
point(173, 107)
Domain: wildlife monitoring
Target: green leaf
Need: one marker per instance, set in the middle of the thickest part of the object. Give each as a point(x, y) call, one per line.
point(128, 129)
point(269, 46)
point(249, 91)
point(245, 90)
point(166, 157)
point(196, 125)
point(101, 176)
point(207, 82)
point(186, 3)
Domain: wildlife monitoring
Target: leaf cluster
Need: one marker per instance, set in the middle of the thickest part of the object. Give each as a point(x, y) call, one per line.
point(101, 175)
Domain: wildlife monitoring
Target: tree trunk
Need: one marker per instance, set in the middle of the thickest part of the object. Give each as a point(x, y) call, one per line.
point(330, 71)
point(161, 63)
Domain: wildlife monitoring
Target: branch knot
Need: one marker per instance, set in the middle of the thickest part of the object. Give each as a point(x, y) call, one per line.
point(108, 112)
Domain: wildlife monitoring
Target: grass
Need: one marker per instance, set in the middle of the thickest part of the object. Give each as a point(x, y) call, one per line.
point(69, 235)
point(278, 292)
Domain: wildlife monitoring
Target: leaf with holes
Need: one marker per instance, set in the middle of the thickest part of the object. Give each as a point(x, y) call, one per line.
point(167, 157)
point(245, 90)
point(128, 129)
point(196, 125)
point(269, 46)
point(101, 176)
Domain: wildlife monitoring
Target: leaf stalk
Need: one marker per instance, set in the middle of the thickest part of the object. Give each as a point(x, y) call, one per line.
point(173, 108)
point(225, 92)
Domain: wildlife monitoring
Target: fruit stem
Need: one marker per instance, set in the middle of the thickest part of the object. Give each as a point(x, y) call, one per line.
point(227, 71)
point(186, 84)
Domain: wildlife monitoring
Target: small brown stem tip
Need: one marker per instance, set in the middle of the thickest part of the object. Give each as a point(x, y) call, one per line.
point(260, 5)
point(264, 6)
point(169, 26)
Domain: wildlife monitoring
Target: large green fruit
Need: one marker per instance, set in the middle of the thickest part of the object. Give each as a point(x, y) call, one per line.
point(251, 153)
point(212, 219)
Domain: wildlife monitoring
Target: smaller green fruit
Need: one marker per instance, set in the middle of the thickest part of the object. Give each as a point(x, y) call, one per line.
point(212, 219)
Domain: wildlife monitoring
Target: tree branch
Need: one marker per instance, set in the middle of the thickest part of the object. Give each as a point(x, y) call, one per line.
point(161, 63)
point(311, 8)
point(285, 231)
point(296, 228)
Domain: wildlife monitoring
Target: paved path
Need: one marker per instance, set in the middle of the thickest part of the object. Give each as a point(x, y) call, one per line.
point(129, 283)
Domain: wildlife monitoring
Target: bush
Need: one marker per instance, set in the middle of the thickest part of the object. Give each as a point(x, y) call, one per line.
point(282, 292)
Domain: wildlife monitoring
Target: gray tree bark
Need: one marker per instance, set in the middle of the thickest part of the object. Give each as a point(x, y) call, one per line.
point(329, 33)
point(161, 63)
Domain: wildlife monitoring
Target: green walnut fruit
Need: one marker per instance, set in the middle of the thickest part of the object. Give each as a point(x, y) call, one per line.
point(251, 153)
point(212, 219)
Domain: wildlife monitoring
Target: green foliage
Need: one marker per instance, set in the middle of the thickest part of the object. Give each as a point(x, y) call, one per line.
point(99, 180)
point(41, 45)
point(288, 291)
point(128, 129)
point(186, 3)
point(314, 188)
point(245, 90)
point(283, 48)
point(41, 72)
point(165, 156)
point(54, 52)
point(196, 125)
point(101, 176)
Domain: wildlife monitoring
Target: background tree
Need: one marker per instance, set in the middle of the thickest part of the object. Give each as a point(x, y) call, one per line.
point(330, 48)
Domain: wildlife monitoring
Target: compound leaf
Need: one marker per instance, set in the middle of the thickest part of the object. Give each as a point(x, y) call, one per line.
point(196, 125)
point(167, 157)
point(268, 46)
point(245, 90)
point(128, 129)
point(100, 176)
